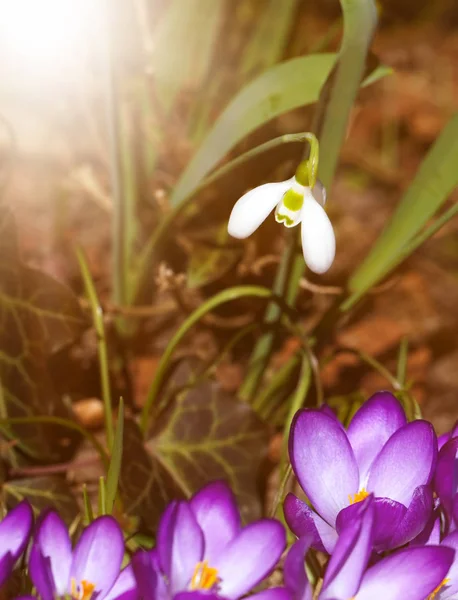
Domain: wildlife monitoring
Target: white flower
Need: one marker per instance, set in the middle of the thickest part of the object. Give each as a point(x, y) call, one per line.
point(294, 203)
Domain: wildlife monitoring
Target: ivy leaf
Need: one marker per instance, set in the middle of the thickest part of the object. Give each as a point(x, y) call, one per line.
point(146, 487)
point(204, 435)
point(38, 315)
point(50, 491)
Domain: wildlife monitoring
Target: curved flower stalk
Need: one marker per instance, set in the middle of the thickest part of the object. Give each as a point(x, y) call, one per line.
point(92, 570)
point(203, 552)
point(14, 535)
point(411, 574)
point(297, 200)
point(380, 453)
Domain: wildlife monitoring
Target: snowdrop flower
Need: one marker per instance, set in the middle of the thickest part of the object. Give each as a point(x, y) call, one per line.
point(297, 200)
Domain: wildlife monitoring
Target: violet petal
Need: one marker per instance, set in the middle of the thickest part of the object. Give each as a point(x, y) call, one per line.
point(406, 461)
point(187, 548)
point(164, 537)
point(323, 462)
point(371, 427)
point(416, 517)
point(410, 574)
point(125, 586)
point(299, 517)
point(250, 557)
point(217, 514)
point(15, 530)
point(98, 555)
point(351, 555)
point(294, 570)
point(52, 541)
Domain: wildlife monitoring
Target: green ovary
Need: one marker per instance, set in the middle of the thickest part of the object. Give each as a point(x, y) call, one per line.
point(293, 201)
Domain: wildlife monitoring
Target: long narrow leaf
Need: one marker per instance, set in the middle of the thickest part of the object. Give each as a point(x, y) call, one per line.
point(435, 180)
point(115, 462)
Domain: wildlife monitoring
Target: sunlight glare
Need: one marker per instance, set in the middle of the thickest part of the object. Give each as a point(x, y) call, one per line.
point(47, 35)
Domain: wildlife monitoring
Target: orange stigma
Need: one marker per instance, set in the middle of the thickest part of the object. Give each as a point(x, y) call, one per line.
point(359, 496)
point(204, 577)
point(436, 591)
point(83, 591)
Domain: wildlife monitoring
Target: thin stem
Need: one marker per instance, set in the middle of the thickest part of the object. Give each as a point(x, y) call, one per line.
point(102, 350)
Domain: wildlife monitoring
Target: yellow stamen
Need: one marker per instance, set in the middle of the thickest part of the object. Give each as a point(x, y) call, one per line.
point(204, 577)
point(359, 496)
point(436, 591)
point(83, 591)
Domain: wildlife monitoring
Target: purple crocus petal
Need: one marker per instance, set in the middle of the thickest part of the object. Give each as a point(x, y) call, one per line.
point(6, 566)
point(196, 595)
point(431, 534)
point(217, 514)
point(277, 593)
point(146, 575)
point(125, 586)
point(415, 519)
point(371, 427)
point(406, 461)
point(323, 462)
point(294, 572)
point(52, 545)
point(388, 514)
point(451, 541)
point(328, 535)
point(442, 440)
point(98, 555)
point(410, 574)
point(351, 555)
point(15, 530)
point(299, 518)
point(187, 548)
point(250, 557)
point(41, 574)
point(445, 481)
point(164, 537)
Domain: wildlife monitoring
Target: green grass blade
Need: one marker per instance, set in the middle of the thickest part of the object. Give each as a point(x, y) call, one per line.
point(359, 19)
point(401, 371)
point(88, 514)
point(183, 46)
point(97, 318)
point(102, 500)
point(269, 40)
point(115, 462)
point(435, 180)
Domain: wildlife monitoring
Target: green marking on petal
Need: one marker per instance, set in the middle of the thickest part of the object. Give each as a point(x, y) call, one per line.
point(293, 200)
point(284, 219)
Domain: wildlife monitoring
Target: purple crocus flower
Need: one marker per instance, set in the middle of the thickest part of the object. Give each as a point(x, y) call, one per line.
point(380, 453)
point(410, 574)
point(445, 437)
point(203, 552)
point(446, 482)
point(90, 571)
point(14, 534)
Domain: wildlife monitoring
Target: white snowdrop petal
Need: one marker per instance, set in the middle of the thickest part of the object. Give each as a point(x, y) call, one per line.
point(254, 207)
point(318, 240)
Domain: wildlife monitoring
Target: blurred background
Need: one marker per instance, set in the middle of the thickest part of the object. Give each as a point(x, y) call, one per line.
point(167, 68)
